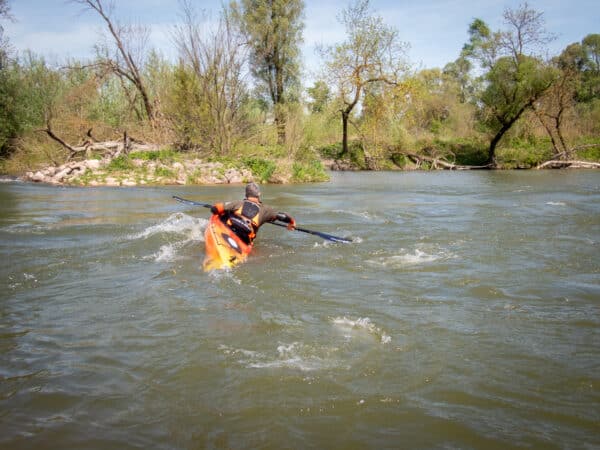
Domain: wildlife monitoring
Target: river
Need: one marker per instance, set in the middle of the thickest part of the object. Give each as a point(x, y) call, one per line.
point(466, 314)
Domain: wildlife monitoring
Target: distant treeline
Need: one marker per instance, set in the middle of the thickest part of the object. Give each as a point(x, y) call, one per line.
point(236, 91)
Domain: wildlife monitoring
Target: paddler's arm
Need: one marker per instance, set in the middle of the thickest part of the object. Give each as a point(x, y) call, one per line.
point(285, 217)
point(222, 208)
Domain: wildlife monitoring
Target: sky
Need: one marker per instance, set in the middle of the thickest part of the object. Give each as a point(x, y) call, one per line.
point(434, 29)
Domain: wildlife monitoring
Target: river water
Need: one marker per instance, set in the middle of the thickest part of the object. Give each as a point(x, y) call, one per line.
point(466, 314)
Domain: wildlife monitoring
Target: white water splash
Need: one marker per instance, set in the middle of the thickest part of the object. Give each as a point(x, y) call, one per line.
point(556, 203)
point(166, 253)
point(191, 228)
point(176, 223)
point(363, 324)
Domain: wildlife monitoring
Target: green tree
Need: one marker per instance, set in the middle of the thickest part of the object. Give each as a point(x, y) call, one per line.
point(590, 48)
point(11, 105)
point(459, 71)
point(320, 95)
point(372, 54)
point(274, 34)
point(514, 78)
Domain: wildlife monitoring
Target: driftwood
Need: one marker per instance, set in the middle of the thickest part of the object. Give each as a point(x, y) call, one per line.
point(110, 149)
point(563, 164)
point(439, 163)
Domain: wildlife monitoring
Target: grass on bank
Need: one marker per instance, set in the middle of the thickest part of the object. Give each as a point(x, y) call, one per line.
point(156, 167)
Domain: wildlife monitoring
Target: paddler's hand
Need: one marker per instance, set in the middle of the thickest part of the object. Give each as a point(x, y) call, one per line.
point(292, 225)
point(218, 208)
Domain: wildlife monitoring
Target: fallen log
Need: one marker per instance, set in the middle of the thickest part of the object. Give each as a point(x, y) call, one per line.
point(568, 164)
point(437, 163)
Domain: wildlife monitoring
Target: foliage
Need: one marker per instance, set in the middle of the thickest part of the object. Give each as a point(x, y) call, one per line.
point(164, 155)
point(371, 55)
point(320, 95)
point(499, 101)
point(514, 79)
point(164, 172)
point(262, 169)
point(308, 171)
point(120, 163)
point(274, 32)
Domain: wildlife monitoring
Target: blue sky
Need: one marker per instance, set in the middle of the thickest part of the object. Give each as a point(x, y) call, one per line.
point(435, 29)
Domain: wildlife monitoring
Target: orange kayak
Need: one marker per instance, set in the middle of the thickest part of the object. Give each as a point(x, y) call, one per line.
point(224, 249)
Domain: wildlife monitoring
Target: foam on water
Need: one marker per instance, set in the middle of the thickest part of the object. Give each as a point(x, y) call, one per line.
point(556, 203)
point(406, 258)
point(362, 324)
point(362, 214)
point(296, 355)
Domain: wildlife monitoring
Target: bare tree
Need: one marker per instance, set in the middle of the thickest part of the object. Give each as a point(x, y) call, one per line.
point(127, 57)
point(217, 59)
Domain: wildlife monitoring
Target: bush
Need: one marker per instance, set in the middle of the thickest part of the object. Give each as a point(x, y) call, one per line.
point(309, 171)
point(332, 151)
point(164, 155)
point(120, 164)
point(261, 168)
point(164, 172)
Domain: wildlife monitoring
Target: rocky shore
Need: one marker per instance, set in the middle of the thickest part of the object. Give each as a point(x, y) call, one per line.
point(104, 172)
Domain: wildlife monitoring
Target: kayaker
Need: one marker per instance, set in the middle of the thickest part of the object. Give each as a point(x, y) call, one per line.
point(246, 216)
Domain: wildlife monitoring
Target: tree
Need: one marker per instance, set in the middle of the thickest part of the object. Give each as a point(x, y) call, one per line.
point(372, 54)
point(126, 59)
point(459, 72)
point(320, 95)
point(4, 44)
point(273, 29)
point(515, 78)
point(212, 71)
point(590, 48)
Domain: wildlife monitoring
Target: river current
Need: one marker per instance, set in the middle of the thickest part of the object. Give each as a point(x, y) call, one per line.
point(465, 314)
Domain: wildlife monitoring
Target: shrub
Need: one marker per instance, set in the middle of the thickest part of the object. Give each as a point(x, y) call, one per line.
point(308, 171)
point(164, 155)
point(261, 168)
point(164, 172)
point(120, 163)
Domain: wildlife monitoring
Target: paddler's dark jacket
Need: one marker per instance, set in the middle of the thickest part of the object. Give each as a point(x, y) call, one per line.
point(254, 214)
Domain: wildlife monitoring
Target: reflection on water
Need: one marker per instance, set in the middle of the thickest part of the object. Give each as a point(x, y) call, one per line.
point(464, 315)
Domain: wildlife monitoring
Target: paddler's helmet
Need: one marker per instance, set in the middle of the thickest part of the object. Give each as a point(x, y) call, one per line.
point(252, 190)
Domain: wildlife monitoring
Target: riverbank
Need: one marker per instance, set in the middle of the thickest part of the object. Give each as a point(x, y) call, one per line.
point(139, 172)
point(108, 164)
point(167, 167)
point(135, 171)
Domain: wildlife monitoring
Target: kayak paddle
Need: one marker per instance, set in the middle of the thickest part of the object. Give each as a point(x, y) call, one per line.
point(326, 236)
